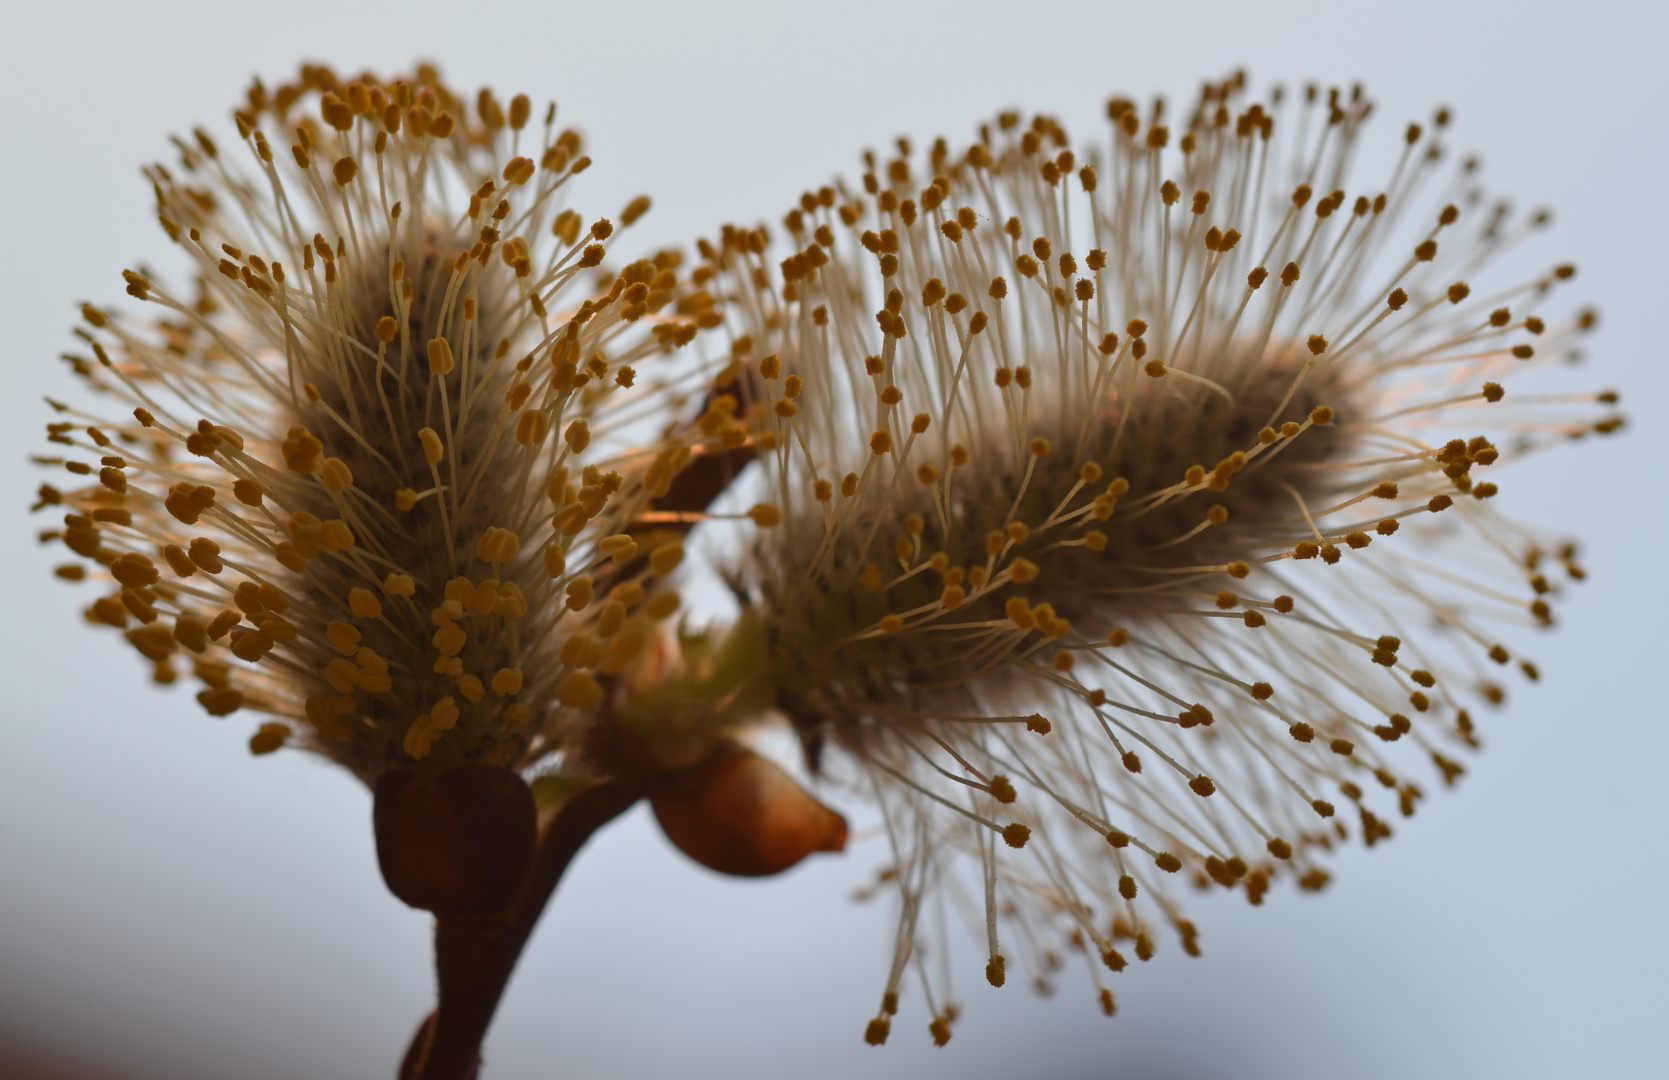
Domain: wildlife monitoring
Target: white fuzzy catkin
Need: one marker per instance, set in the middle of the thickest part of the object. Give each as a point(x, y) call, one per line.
point(1131, 508)
point(362, 482)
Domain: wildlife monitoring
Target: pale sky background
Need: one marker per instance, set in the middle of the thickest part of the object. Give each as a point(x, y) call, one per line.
point(171, 907)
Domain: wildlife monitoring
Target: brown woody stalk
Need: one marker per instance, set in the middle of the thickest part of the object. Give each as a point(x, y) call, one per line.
point(476, 954)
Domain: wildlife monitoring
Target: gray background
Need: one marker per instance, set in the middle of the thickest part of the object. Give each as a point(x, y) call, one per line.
point(171, 907)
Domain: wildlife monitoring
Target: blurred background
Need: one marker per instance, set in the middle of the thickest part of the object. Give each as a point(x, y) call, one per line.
point(172, 907)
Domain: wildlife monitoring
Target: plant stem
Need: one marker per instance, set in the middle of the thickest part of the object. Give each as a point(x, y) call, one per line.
point(475, 954)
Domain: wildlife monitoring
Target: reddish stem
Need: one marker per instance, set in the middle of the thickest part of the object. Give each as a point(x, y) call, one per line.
point(475, 954)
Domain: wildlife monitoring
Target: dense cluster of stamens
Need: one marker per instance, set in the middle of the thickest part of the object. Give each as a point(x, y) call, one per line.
point(1132, 509)
point(370, 482)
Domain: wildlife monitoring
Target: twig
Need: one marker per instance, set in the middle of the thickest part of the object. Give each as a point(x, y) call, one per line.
point(476, 954)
